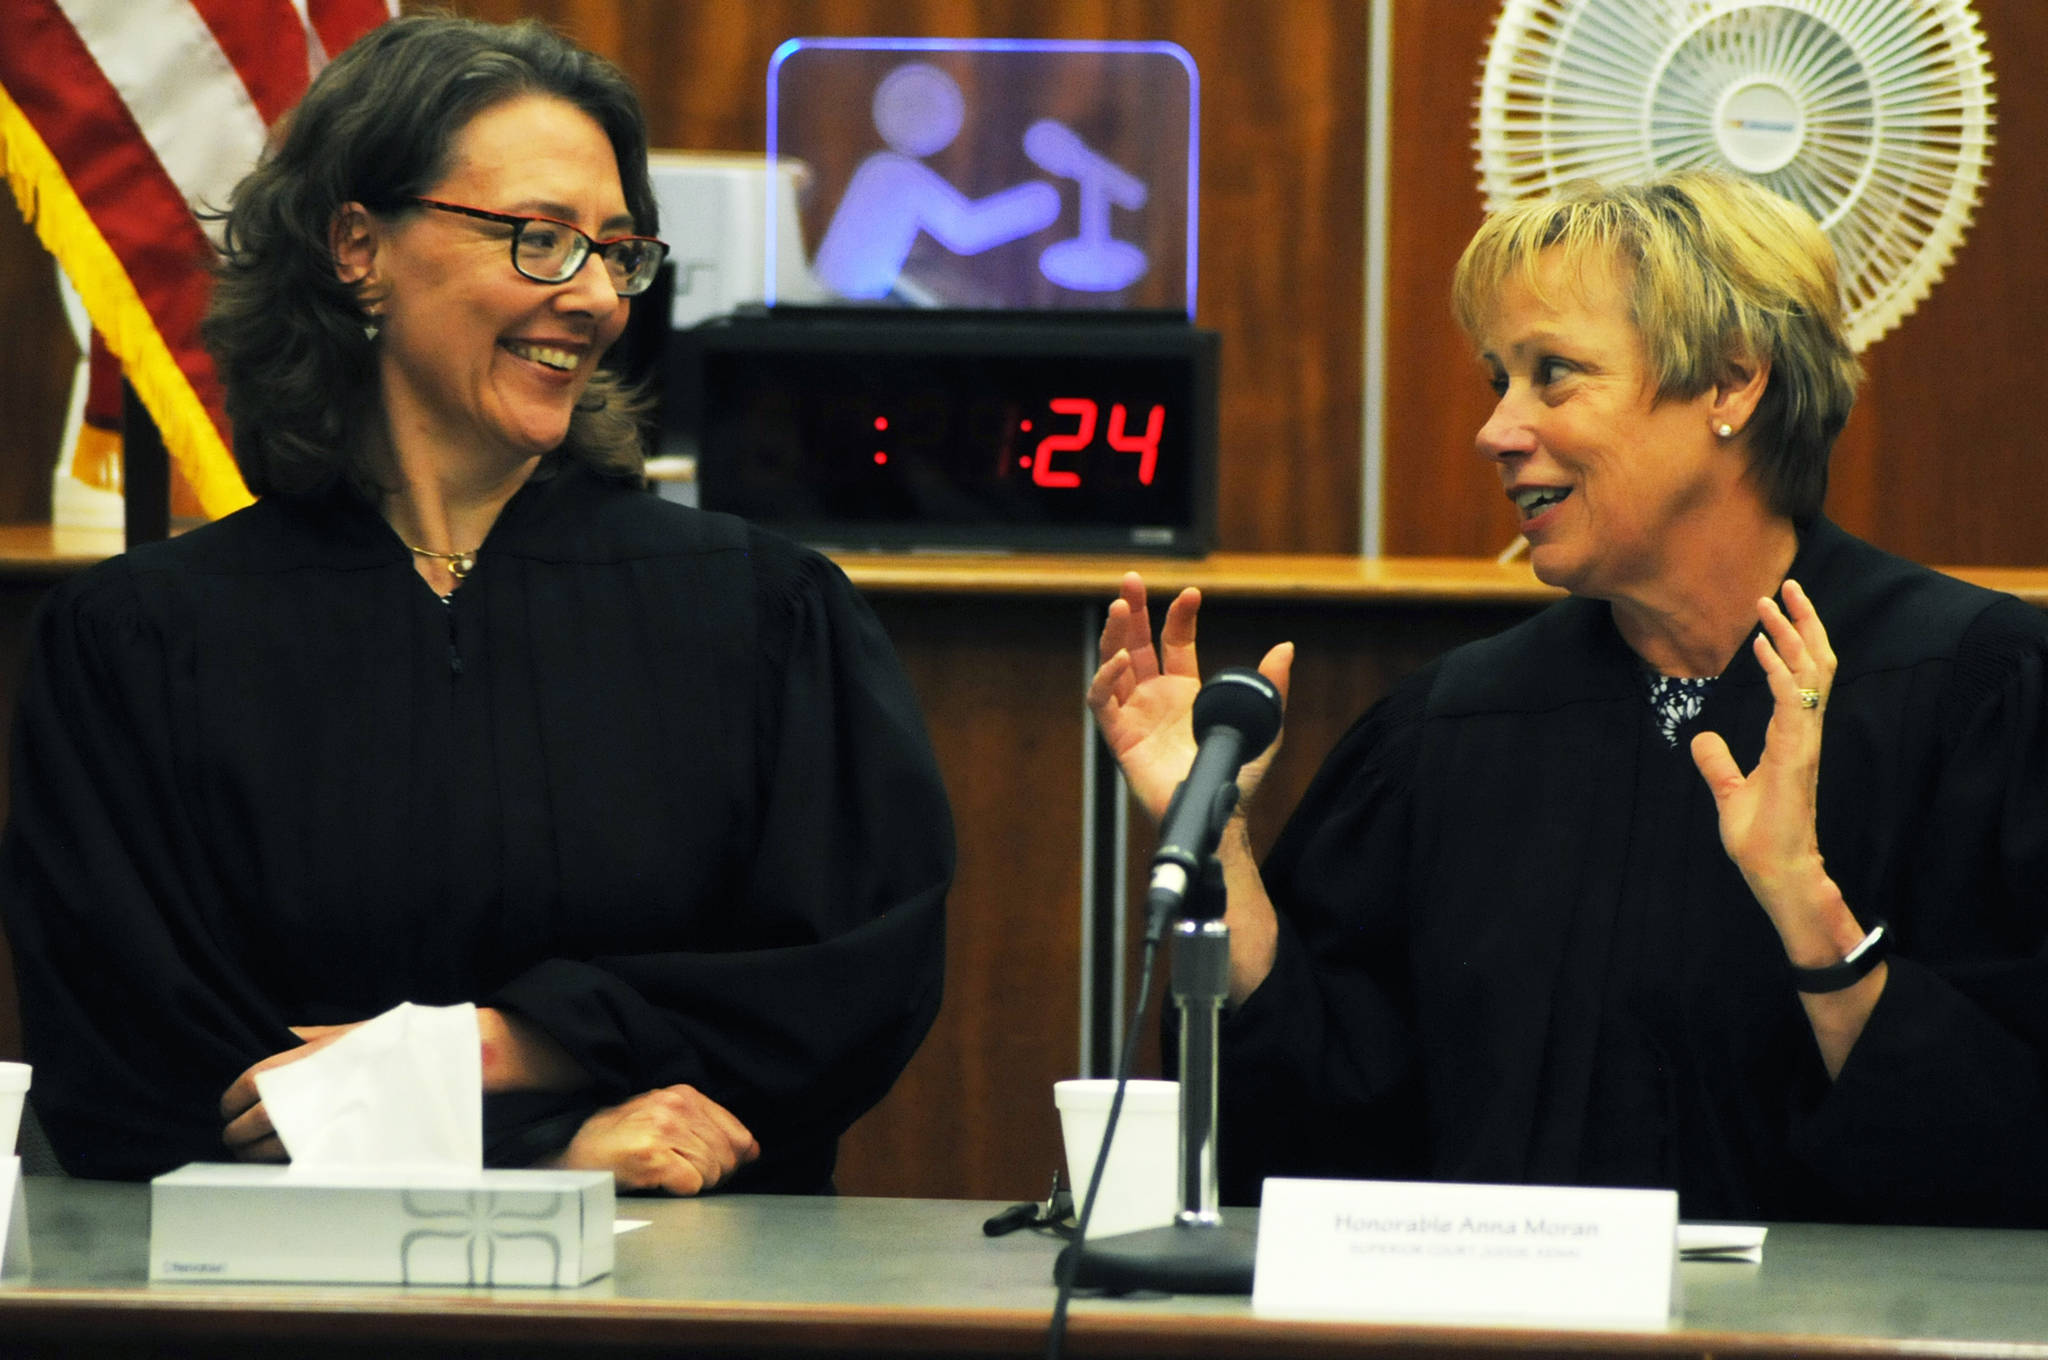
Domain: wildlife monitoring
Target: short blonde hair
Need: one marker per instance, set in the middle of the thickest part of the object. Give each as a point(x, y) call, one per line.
point(1719, 272)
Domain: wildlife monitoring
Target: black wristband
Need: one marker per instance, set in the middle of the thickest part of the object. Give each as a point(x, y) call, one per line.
point(1869, 953)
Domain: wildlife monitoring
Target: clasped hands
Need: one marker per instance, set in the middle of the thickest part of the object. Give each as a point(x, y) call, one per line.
point(674, 1138)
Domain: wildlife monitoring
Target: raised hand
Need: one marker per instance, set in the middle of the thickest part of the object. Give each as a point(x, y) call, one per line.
point(1767, 817)
point(1767, 820)
point(1142, 696)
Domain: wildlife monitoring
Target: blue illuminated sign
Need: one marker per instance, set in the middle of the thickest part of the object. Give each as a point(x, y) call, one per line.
point(990, 173)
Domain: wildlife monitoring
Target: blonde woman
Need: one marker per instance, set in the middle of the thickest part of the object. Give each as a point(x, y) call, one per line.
point(1585, 902)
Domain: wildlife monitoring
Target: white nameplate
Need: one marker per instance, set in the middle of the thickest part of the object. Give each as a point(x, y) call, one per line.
point(1415, 1251)
point(13, 1221)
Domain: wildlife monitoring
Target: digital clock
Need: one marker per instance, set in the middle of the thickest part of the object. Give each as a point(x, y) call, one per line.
point(900, 429)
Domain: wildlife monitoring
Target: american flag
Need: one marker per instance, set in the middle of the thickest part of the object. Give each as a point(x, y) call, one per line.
point(121, 123)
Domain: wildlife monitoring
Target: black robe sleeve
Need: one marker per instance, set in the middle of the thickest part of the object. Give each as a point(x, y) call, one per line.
point(1940, 1113)
point(1319, 1073)
point(803, 1027)
point(134, 1002)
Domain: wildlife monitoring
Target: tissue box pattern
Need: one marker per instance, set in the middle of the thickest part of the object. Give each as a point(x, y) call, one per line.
point(463, 1237)
point(264, 1223)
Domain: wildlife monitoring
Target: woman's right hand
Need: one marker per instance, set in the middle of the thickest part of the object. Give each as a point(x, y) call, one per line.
point(247, 1130)
point(1143, 698)
point(675, 1138)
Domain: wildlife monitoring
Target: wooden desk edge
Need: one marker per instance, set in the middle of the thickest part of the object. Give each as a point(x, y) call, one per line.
point(39, 551)
point(335, 1316)
point(1274, 576)
point(1268, 576)
point(43, 551)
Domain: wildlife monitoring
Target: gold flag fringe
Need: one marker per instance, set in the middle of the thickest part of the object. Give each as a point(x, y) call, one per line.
point(50, 205)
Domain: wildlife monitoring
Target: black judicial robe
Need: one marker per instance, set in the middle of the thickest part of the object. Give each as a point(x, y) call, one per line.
point(650, 778)
point(1512, 948)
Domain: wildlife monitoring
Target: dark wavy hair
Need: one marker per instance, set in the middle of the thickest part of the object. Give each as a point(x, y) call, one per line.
point(375, 127)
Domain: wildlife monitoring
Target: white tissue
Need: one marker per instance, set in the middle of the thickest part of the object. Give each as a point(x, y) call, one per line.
point(402, 1090)
point(1721, 1241)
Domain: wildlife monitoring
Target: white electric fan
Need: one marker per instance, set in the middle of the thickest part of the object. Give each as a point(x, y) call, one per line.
point(1873, 115)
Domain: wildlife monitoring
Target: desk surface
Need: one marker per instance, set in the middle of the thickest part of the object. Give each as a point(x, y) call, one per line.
point(768, 1275)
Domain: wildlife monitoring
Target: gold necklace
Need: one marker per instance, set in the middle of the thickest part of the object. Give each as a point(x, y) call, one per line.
point(460, 564)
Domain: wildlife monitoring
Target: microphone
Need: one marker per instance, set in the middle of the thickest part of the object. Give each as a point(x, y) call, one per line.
point(1236, 715)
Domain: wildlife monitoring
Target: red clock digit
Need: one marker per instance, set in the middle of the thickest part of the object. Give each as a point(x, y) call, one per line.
point(1041, 466)
point(1145, 445)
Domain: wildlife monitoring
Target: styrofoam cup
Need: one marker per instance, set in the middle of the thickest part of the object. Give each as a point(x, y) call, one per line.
point(13, 1090)
point(1139, 1183)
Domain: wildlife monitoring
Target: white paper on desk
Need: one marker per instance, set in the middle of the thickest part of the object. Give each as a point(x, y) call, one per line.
point(1721, 1242)
point(402, 1090)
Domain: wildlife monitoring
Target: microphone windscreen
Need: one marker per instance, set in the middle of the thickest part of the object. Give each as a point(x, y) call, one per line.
point(1243, 699)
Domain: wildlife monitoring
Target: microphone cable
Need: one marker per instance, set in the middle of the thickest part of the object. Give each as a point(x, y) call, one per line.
point(1070, 1258)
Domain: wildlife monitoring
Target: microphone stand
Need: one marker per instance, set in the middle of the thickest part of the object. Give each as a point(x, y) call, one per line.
point(1199, 1253)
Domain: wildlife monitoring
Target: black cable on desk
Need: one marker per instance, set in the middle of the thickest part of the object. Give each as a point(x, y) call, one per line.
point(1070, 1258)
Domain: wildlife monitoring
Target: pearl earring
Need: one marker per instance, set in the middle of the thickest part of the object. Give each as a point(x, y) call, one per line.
point(370, 329)
point(1725, 430)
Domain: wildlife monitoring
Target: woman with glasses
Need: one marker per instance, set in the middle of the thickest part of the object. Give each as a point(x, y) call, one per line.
point(457, 711)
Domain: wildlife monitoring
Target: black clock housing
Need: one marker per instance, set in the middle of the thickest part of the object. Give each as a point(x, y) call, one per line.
point(901, 429)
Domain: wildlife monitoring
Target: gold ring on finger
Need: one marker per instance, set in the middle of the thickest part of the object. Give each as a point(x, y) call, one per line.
point(1809, 698)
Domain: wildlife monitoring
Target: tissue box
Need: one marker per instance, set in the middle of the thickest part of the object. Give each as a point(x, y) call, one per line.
point(226, 1221)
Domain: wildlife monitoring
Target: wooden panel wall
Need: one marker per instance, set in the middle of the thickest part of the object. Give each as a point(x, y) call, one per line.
point(972, 1116)
point(1942, 462)
point(1939, 463)
point(1936, 464)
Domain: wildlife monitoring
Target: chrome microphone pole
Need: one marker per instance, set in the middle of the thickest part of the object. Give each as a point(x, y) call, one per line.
point(1201, 983)
point(1201, 1252)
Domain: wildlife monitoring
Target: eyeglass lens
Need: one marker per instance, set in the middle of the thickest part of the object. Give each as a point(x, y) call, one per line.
point(550, 253)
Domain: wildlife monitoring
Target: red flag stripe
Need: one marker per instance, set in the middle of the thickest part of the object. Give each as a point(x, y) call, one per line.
point(180, 89)
point(253, 34)
point(340, 22)
point(90, 131)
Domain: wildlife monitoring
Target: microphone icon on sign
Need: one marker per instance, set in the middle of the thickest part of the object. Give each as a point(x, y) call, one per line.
point(1094, 261)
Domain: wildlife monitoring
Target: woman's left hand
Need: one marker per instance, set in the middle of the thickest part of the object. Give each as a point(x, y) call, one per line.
point(1768, 820)
point(674, 1138)
point(1767, 817)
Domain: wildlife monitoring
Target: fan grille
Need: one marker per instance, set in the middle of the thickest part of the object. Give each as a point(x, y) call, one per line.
point(1873, 115)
